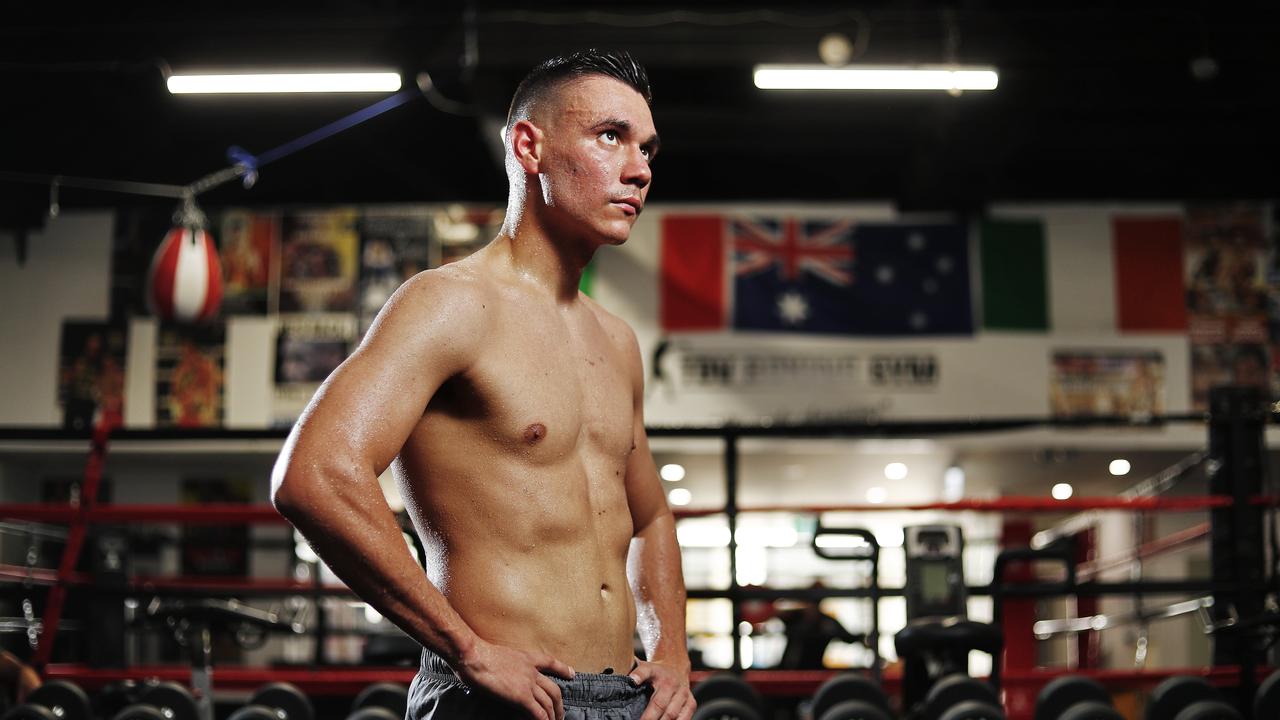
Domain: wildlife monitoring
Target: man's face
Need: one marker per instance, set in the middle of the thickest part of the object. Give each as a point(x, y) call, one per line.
point(598, 143)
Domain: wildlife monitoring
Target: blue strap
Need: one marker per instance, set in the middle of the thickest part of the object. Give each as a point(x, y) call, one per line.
point(239, 156)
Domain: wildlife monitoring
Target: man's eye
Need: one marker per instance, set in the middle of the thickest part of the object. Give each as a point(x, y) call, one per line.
point(610, 136)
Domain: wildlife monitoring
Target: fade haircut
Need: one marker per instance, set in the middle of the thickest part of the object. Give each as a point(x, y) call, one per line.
point(550, 74)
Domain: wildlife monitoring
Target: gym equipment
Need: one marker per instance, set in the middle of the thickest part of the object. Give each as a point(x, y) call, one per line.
point(953, 690)
point(1209, 710)
point(276, 701)
point(1171, 696)
point(726, 709)
point(1266, 702)
point(870, 554)
point(973, 710)
point(54, 700)
point(846, 695)
point(1073, 693)
point(938, 636)
point(166, 700)
point(1091, 710)
point(935, 576)
point(380, 701)
point(854, 710)
point(172, 700)
point(725, 696)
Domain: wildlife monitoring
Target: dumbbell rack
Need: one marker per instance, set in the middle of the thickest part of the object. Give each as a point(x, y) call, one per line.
point(322, 681)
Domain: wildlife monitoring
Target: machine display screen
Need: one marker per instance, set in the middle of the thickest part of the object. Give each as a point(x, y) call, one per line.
point(935, 588)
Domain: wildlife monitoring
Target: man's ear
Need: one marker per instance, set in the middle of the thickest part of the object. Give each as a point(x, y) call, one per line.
point(526, 145)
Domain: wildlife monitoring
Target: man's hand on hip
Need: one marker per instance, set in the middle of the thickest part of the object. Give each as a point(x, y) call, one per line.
point(515, 677)
point(671, 699)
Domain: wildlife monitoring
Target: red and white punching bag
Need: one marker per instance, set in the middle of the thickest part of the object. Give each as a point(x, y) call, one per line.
point(185, 282)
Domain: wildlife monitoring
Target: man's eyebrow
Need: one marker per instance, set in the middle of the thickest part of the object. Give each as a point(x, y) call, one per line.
point(652, 143)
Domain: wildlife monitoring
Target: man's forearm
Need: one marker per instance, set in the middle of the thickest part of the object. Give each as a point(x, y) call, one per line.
point(353, 530)
point(657, 582)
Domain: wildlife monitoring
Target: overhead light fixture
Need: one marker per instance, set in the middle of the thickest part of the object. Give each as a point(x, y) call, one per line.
point(1062, 491)
point(672, 472)
point(680, 496)
point(284, 82)
point(951, 78)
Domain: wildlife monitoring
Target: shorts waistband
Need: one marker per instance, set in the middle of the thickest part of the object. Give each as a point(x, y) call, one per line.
point(595, 689)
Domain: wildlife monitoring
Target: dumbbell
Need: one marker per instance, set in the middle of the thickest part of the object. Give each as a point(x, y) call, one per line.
point(725, 696)
point(160, 701)
point(850, 696)
point(1266, 702)
point(1075, 698)
point(958, 696)
point(276, 701)
point(1188, 698)
point(54, 700)
point(380, 701)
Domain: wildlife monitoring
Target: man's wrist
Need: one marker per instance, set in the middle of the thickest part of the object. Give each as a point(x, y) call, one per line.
point(460, 648)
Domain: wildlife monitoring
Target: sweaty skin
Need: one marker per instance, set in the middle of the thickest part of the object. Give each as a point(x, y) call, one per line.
point(511, 407)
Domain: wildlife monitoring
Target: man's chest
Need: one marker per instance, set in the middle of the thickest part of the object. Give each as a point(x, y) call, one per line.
point(550, 389)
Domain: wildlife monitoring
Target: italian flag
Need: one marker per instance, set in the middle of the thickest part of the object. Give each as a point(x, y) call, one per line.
point(1082, 270)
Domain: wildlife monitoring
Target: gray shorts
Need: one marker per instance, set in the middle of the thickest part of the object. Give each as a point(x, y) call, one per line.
point(438, 694)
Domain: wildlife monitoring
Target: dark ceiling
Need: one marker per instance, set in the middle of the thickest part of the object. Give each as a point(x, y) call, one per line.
point(1093, 103)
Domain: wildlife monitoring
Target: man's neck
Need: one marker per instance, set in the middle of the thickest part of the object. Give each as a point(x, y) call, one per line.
point(544, 258)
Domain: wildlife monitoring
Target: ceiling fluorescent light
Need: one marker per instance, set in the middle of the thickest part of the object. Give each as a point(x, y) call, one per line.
point(924, 77)
point(329, 82)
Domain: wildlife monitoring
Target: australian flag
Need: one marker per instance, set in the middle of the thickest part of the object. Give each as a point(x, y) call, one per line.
point(849, 278)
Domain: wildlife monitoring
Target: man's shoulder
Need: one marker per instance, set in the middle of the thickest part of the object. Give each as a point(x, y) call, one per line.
point(444, 299)
point(616, 327)
point(450, 285)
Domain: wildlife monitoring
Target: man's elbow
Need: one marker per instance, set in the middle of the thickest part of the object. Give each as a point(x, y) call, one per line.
point(292, 490)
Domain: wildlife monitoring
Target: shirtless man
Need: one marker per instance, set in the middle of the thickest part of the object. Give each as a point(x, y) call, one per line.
point(510, 404)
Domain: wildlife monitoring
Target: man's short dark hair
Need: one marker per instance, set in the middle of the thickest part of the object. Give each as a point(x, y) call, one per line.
point(549, 74)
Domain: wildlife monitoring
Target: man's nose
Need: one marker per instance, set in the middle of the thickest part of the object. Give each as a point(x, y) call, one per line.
point(637, 172)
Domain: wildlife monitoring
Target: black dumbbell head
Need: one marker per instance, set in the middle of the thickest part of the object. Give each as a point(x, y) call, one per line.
point(854, 710)
point(1176, 693)
point(389, 696)
point(1209, 710)
point(174, 700)
point(1068, 691)
point(1266, 702)
point(1090, 710)
point(254, 712)
point(973, 710)
point(289, 702)
point(66, 699)
point(954, 689)
point(374, 713)
point(27, 711)
point(138, 711)
point(847, 687)
point(726, 709)
point(727, 685)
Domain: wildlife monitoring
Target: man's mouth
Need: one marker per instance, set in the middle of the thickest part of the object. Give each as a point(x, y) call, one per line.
point(631, 206)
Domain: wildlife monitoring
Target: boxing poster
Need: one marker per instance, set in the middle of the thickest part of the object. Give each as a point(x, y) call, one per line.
point(394, 246)
point(308, 349)
point(1227, 298)
point(250, 254)
point(1099, 383)
point(190, 375)
point(91, 373)
point(319, 261)
point(460, 231)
